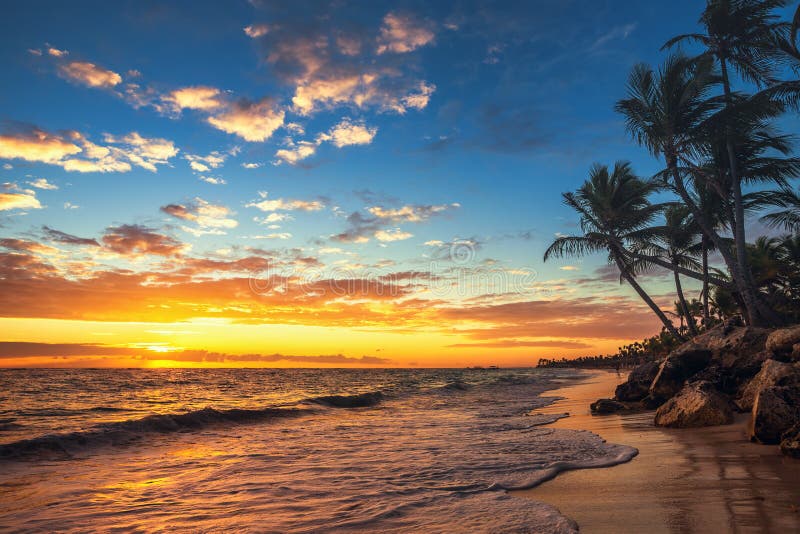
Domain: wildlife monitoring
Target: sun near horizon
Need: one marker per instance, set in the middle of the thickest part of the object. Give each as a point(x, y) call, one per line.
point(240, 187)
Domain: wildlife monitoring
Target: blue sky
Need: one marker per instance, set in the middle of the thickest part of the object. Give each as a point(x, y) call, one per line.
point(370, 134)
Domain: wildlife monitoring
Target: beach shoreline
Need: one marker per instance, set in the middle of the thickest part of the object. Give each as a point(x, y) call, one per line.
point(683, 480)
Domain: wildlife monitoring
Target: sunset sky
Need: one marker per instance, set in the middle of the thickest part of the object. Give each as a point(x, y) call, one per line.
point(312, 184)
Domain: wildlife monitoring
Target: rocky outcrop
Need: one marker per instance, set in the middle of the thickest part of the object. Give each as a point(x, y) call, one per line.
point(697, 404)
point(781, 342)
point(680, 365)
point(637, 386)
point(771, 374)
point(790, 442)
point(776, 409)
point(606, 406)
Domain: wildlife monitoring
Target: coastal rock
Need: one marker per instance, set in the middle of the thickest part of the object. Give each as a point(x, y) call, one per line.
point(680, 365)
point(772, 372)
point(790, 442)
point(781, 342)
point(776, 409)
point(697, 404)
point(637, 386)
point(606, 406)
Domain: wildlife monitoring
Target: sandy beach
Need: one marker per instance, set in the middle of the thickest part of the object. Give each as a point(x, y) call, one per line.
point(705, 480)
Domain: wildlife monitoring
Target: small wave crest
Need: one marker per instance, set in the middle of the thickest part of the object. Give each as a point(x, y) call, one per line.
point(122, 432)
point(360, 400)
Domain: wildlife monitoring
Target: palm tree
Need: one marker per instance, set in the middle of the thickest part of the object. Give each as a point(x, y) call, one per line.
point(677, 241)
point(666, 113)
point(614, 211)
point(789, 217)
point(739, 35)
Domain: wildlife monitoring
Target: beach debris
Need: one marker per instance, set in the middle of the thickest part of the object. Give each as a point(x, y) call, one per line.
point(697, 404)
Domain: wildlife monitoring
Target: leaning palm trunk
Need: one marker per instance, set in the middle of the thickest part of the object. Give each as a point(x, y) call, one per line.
point(682, 300)
point(625, 272)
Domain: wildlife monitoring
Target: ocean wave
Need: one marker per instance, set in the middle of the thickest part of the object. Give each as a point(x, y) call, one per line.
point(124, 432)
point(360, 400)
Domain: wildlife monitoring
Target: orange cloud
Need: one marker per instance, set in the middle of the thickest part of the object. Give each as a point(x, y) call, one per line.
point(90, 74)
point(37, 145)
point(134, 239)
point(197, 97)
point(403, 33)
point(252, 121)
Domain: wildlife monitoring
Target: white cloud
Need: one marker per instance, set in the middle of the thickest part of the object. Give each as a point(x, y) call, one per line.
point(296, 152)
point(70, 206)
point(255, 31)
point(212, 180)
point(410, 213)
point(251, 165)
point(281, 235)
point(348, 133)
point(280, 204)
point(392, 235)
point(198, 163)
point(42, 183)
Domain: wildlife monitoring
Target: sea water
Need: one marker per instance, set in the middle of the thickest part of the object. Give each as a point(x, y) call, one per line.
point(284, 450)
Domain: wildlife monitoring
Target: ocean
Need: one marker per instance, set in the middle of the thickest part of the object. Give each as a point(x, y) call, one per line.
point(285, 450)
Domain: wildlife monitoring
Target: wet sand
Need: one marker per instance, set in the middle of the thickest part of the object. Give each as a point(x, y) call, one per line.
point(710, 480)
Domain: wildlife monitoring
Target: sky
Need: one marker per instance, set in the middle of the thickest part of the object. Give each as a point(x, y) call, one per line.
point(313, 183)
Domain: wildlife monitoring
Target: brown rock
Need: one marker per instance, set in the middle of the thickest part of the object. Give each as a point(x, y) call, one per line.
point(776, 409)
point(790, 442)
point(772, 372)
point(637, 386)
point(606, 406)
point(681, 364)
point(781, 342)
point(696, 405)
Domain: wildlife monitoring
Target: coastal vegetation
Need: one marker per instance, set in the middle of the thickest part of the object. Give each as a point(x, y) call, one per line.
point(712, 121)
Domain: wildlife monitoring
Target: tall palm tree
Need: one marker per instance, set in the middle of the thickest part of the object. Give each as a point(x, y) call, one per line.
point(739, 35)
point(666, 112)
point(614, 211)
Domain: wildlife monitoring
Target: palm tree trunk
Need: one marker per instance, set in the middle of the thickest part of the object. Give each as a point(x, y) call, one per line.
point(646, 298)
point(682, 299)
point(706, 313)
point(754, 308)
point(707, 229)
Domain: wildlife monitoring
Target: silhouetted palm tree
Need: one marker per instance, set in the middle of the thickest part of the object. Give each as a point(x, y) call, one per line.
point(740, 35)
point(678, 241)
point(787, 218)
point(614, 211)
